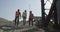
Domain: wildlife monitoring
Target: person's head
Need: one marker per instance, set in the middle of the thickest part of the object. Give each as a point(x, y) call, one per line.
point(25, 10)
point(30, 11)
point(18, 10)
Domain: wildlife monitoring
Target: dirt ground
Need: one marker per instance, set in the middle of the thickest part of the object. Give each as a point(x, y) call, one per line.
point(25, 28)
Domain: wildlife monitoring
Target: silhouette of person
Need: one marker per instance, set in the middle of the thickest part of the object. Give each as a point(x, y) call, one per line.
point(31, 17)
point(24, 15)
point(17, 17)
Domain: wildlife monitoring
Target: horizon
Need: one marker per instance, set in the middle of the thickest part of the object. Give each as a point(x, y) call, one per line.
point(13, 20)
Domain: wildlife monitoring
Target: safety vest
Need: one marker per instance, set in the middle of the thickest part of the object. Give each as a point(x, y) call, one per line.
point(31, 16)
point(24, 14)
point(17, 13)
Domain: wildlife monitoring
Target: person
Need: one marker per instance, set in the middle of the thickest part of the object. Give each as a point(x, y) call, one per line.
point(31, 16)
point(17, 15)
point(24, 15)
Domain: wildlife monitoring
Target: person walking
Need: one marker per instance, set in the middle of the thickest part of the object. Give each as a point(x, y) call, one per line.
point(31, 17)
point(24, 15)
point(17, 15)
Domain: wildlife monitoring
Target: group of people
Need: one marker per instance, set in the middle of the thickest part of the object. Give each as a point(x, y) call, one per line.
point(24, 16)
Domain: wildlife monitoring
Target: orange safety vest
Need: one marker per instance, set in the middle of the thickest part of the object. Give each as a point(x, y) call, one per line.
point(31, 16)
point(17, 13)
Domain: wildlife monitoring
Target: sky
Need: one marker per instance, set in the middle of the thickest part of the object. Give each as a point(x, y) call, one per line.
point(9, 7)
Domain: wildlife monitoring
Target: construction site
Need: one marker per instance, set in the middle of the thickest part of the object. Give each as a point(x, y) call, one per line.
point(46, 23)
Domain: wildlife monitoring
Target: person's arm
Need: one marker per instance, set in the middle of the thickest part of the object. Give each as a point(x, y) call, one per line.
point(33, 16)
point(20, 15)
point(26, 15)
point(15, 14)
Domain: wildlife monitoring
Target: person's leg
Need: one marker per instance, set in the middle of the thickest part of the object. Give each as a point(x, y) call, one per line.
point(29, 22)
point(32, 21)
point(15, 20)
point(23, 20)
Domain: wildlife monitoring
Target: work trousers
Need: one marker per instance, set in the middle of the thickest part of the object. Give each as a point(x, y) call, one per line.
point(24, 20)
point(17, 20)
point(30, 22)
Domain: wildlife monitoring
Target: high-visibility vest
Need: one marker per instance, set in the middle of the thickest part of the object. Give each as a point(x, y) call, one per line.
point(31, 16)
point(17, 13)
point(24, 14)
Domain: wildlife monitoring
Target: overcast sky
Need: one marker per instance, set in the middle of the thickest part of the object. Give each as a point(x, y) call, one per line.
point(9, 7)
